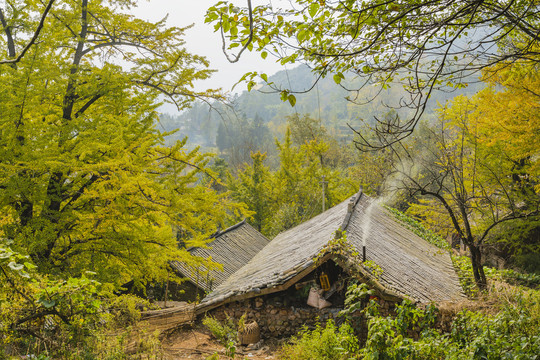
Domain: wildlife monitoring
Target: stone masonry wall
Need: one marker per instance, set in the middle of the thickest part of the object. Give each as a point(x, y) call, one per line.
point(279, 320)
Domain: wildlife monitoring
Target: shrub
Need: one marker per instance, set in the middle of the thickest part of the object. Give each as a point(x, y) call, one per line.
point(356, 298)
point(57, 318)
point(328, 343)
point(127, 308)
point(388, 336)
point(512, 333)
point(463, 267)
point(529, 262)
point(225, 332)
point(517, 278)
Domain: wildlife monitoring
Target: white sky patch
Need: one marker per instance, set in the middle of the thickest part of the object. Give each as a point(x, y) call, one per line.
point(202, 40)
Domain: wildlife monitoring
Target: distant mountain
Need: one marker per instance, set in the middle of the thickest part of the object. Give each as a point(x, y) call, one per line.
point(326, 101)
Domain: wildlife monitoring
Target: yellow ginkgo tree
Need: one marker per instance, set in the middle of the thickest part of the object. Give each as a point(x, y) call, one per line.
point(478, 165)
point(511, 118)
point(85, 180)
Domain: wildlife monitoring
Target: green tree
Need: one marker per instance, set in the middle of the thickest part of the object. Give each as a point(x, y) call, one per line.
point(305, 129)
point(298, 183)
point(252, 187)
point(86, 183)
point(223, 140)
point(292, 193)
point(472, 184)
point(420, 44)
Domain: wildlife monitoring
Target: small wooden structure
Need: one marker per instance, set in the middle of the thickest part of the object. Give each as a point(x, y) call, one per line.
point(170, 318)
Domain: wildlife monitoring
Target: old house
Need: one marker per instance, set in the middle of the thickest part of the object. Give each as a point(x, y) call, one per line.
point(274, 287)
point(233, 248)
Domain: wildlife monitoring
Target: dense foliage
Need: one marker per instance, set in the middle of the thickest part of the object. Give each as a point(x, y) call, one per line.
point(465, 172)
point(293, 193)
point(73, 317)
point(90, 197)
point(507, 330)
point(508, 334)
point(86, 181)
point(330, 342)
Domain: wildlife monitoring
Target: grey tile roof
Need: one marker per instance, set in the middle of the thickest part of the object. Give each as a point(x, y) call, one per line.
point(285, 256)
point(233, 248)
point(411, 267)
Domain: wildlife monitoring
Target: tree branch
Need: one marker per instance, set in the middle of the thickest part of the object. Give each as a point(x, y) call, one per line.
point(12, 283)
point(32, 40)
point(249, 40)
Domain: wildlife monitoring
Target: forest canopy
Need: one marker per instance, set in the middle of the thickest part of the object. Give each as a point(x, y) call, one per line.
point(86, 182)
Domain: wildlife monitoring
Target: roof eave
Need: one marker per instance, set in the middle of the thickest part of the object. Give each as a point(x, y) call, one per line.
point(348, 263)
point(288, 282)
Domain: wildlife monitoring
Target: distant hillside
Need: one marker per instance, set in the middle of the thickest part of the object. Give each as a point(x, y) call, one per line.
point(327, 101)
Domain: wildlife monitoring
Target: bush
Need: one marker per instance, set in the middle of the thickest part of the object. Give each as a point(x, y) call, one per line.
point(225, 333)
point(328, 343)
point(356, 299)
point(57, 318)
point(463, 267)
point(126, 309)
point(529, 262)
point(388, 337)
point(46, 315)
point(512, 333)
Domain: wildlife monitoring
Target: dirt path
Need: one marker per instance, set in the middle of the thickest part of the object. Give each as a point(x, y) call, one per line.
point(197, 343)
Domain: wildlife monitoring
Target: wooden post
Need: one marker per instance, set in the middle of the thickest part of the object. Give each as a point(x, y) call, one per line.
point(323, 183)
point(166, 290)
point(363, 253)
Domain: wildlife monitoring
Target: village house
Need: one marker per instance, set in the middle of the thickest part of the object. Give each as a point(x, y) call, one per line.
point(301, 276)
point(233, 248)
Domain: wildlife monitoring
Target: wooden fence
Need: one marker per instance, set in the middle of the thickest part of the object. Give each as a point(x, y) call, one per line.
point(167, 319)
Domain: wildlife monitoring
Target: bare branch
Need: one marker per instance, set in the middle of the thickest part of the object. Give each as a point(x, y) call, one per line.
point(32, 40)
point(236, 57)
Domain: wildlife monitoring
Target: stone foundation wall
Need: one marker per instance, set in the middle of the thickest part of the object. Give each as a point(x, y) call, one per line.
point(278, 320)
point(275, 321)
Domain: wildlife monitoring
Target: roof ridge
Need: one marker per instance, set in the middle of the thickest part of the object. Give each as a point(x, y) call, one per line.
point(218, 233)
point(230, 228)
point(350, 208)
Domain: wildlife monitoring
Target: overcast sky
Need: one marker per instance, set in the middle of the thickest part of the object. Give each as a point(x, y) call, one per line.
point(202, 40)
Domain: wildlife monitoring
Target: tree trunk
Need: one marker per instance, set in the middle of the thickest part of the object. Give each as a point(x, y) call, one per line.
point(478, 270)
point(9, 37)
